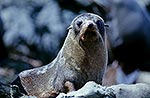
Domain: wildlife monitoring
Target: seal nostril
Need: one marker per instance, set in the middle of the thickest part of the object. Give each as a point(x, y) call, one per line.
point(90, 25)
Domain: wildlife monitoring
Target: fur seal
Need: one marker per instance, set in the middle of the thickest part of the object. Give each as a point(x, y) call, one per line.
point(82, 58)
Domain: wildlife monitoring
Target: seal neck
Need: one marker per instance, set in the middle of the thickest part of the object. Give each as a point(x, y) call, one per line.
point(88, 55)
point(72, 49)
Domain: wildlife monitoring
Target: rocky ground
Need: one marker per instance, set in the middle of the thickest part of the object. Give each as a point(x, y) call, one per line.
point(32, 31)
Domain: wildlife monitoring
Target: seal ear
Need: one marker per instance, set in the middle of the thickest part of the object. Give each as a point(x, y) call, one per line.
point(106, 25)
point(70, 27)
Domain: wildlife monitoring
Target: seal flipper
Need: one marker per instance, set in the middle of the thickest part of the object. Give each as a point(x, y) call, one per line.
point(17, 82)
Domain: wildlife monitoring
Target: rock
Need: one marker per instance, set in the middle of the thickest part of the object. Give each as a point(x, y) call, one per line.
point(93, 90)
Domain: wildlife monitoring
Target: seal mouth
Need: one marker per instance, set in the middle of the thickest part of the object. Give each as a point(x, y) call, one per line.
point(89, 36)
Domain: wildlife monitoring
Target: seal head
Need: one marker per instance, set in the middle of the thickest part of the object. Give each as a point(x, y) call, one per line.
point(88, 27)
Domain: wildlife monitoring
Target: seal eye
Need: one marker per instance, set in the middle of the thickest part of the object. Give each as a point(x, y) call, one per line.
point(79, 23)
point(100, 26)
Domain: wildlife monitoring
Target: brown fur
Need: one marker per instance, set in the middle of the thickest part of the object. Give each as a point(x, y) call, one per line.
point(82, 58)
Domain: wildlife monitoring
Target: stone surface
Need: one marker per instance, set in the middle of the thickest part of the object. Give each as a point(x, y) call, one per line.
point(93, 90)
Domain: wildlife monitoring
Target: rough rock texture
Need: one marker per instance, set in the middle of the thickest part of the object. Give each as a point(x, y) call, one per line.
point(93, 90)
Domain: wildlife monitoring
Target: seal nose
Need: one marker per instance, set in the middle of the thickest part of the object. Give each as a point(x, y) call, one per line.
point(90, 25)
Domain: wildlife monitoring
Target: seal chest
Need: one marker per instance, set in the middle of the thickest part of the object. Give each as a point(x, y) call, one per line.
point(82, 58)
